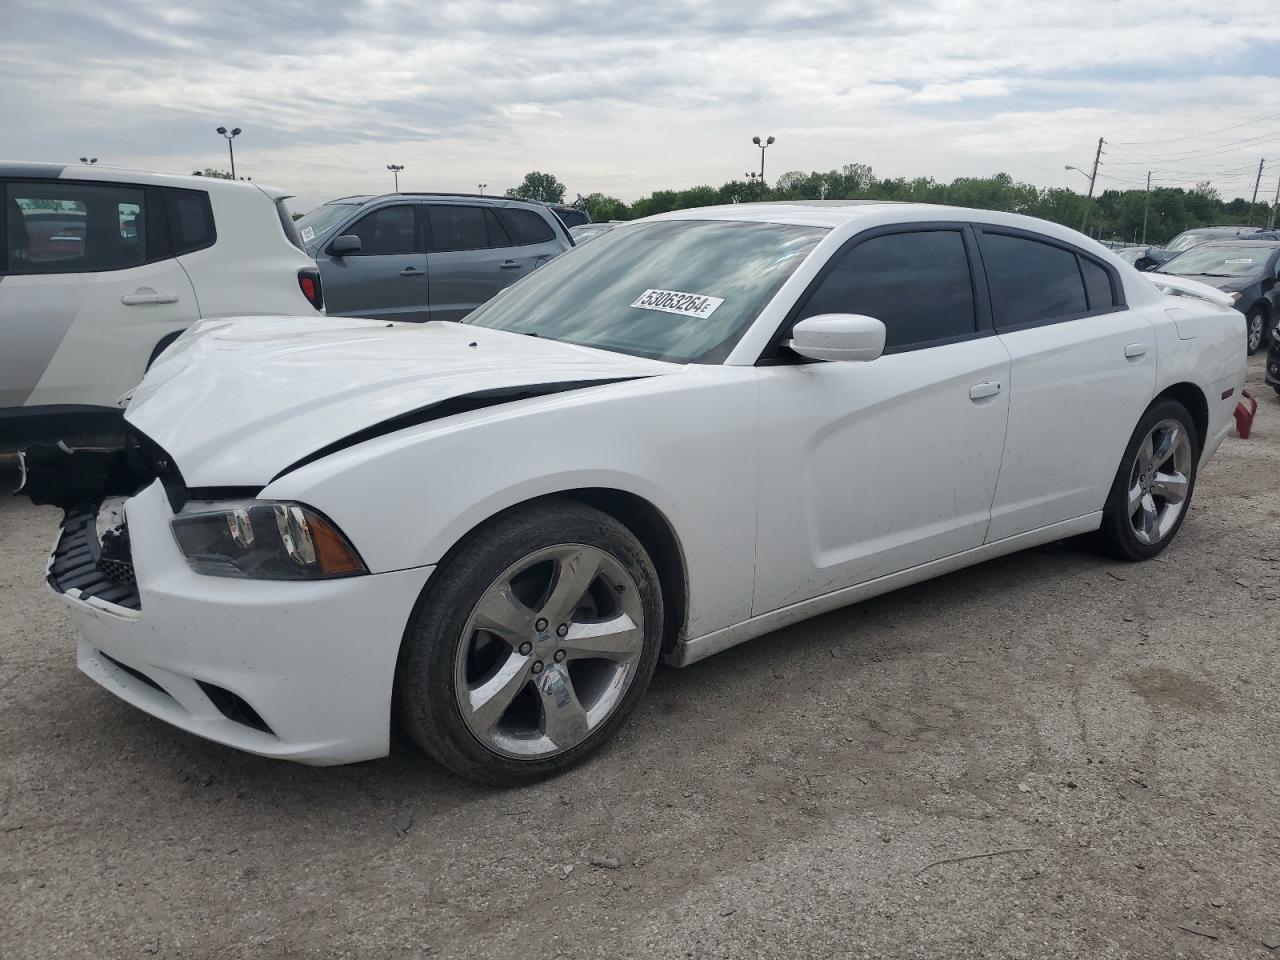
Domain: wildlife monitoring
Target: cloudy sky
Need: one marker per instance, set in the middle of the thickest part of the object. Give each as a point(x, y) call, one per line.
point(626, 96)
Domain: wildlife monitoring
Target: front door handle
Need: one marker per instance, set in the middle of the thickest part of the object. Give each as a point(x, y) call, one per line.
point(1133, 351)
point(510, 265)
point(147, 295)
point(980, 391)
point(410, 272)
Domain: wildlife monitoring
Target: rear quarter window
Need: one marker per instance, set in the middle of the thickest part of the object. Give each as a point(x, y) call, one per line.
point(526, 227)
point(191, 225)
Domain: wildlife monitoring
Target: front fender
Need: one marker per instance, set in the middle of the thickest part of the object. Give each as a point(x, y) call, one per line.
point(684, 443)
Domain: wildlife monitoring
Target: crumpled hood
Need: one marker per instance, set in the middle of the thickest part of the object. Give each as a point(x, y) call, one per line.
point(234, 402)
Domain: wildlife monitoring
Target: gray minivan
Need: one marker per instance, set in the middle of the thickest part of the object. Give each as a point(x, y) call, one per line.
point(426, 256)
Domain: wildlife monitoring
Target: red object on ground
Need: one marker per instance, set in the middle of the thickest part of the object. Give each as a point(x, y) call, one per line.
point(1244, 416)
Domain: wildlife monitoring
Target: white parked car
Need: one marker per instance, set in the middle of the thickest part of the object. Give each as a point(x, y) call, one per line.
point(687, 433)
point(100, 269)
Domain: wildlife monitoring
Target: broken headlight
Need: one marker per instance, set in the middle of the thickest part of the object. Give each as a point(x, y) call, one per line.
point(264, 540)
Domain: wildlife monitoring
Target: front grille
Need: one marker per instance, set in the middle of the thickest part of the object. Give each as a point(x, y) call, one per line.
point(78, 563)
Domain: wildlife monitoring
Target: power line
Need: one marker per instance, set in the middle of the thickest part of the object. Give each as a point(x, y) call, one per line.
point(1195, 136)
point(1205, 153)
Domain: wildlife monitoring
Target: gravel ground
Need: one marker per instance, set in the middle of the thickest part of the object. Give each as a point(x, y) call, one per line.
point(1101, 741)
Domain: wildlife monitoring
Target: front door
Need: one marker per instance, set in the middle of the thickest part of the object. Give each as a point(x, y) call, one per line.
point(867, 469)
point(387, 278)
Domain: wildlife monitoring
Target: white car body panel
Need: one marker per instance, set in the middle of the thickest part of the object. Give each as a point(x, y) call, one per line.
point(282, 389)
point(849, 476)
point(791, 489)
point(1061, 457)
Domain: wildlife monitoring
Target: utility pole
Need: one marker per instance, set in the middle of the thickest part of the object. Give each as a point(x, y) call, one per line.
point(1256, 183)
point(1271, 225)
point(1093, 178)
point(1146, 204)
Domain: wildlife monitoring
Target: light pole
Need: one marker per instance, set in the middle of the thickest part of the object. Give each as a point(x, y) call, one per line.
point(235, 132)
point(763, 145)
point(89, 160)
point(482, 186)
point(395, 169)
point(754, 178)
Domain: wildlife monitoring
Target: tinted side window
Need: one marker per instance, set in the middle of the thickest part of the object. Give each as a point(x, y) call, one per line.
point(190, 220)
point(70, 227)
point(1031, 282)
point(525, 227)
point(386, 232)
point(498, 236)
point(1097, 284)
point(917, 284)
point(457, 228)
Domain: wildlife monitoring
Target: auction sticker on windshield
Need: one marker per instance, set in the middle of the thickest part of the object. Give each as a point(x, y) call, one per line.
point(673, 301)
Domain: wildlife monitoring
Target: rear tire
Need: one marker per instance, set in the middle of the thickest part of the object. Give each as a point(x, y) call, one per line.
point(531, 644)
point(1257, 330)
point(1153, 485)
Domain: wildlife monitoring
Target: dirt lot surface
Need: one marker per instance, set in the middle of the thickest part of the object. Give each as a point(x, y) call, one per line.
point(1049, 755)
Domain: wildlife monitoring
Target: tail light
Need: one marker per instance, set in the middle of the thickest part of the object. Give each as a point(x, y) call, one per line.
point(309, 284)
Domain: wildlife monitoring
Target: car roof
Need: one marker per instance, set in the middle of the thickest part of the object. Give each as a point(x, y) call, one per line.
point(360, 199)
point(104, 173)
point(1234, 244)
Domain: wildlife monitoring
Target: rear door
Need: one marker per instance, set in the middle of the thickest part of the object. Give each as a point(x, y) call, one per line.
point(88, 287)
point(471, 258)
point(1084, 370)
point(387, 278)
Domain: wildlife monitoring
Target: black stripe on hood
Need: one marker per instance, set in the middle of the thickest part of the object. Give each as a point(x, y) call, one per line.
point(447, 408)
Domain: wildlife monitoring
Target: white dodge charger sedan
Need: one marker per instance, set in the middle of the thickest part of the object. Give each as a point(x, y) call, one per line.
point(683, 435)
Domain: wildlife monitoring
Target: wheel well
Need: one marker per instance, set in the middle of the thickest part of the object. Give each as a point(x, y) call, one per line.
point(647, 523)
point(654, 532)
point(1191, 397)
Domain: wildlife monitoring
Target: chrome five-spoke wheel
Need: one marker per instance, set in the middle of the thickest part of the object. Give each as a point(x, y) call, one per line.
point(1159, 481)
point(549, 651)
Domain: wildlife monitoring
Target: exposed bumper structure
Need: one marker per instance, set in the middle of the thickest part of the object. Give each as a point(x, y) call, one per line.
point(296, 670)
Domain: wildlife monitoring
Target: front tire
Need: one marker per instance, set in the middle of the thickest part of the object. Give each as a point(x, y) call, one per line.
point(1153, 486)
point(531, 644)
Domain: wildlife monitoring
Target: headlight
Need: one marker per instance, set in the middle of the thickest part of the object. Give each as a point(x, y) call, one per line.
point(263, 540)
point(1235, 296)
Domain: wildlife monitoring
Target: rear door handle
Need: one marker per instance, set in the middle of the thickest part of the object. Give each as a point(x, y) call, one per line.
point(1133, 351)
point(980, 391)
point(147, 296)
point(511, 265)
point(410, 272)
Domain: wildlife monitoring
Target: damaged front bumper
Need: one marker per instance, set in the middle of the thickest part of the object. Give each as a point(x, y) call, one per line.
point(300, 670)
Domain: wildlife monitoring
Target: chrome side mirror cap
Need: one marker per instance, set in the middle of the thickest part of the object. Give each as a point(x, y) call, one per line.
point(838, 336)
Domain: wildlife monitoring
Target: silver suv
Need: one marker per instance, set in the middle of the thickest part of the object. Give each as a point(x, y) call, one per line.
point(426, 256)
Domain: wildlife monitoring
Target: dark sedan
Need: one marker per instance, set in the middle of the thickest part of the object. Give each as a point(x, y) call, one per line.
point(1246, 269)
point(1151, 257)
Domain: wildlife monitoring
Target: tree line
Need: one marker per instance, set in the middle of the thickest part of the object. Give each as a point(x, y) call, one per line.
point(1113, 215)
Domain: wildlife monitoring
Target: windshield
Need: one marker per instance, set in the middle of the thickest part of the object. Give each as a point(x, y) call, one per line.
point(680, 290)
point(1185, 241)
point(320, 221)
point(1219, 260)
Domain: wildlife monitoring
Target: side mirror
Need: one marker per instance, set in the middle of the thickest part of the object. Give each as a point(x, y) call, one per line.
point(344, 245)
point(838, 336)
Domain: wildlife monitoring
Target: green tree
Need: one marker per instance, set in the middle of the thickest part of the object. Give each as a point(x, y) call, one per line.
point(211, 172)
point(540, 187)
point(603, 208)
